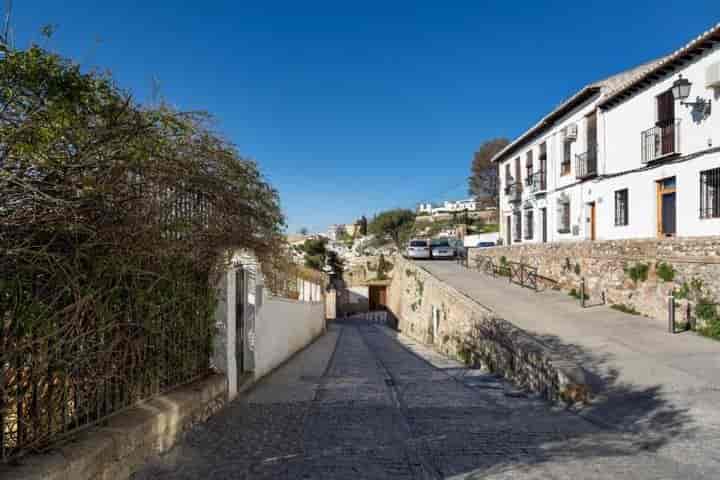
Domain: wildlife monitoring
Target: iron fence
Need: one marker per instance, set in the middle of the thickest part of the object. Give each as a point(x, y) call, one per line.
point(69, 375)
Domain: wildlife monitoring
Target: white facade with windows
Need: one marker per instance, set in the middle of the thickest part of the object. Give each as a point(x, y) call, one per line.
point(622, 158)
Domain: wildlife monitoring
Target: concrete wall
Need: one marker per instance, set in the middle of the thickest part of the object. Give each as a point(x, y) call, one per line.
point(434, 313)
point(283, 328)
point(603, 264)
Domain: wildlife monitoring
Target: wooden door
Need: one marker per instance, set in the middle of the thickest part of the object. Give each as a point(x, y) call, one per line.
point(543, 216)
point(509, 230)
point(593, 213)
point(666, 208)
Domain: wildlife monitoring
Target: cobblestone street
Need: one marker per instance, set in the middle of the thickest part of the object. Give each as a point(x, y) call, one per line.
point(364, 402)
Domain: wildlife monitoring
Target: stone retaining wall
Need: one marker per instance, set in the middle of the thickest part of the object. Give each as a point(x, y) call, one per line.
point(119, 446)
point(603, 265)
point(435, 313)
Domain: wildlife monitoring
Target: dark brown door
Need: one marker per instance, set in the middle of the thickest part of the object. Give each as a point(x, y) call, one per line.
point(543, 216)
point(666, 207)
point(378, 295)
point(666, 122)
point(591, 139)
point(592, 221)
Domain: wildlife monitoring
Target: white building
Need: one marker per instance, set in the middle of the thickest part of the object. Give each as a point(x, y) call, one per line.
point(335, 231)
point(448, 206)
point(622, 158)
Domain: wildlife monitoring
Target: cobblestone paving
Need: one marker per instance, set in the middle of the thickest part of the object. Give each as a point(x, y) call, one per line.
point(381, 411)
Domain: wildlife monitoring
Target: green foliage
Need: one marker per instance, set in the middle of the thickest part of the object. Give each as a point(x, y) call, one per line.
point(707, 313)
point(574, 293)
point(638, 272)
point(683, 293)
point(620, 307)
point(395, 224)
point(483, 181)
point(665, 272)
point(315, 253)
point(383, 268)
point(577, 269)
point(115, 219)
point(465, 355)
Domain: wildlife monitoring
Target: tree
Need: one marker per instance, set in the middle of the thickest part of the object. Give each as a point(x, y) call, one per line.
point(315, 253)
point(303, 231)
point(362, 224)
point(396, 224)
point(483, 181)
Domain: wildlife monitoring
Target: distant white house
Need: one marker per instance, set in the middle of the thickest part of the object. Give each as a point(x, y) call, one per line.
point(335, 231)
point(448, 206)
point(636, 155)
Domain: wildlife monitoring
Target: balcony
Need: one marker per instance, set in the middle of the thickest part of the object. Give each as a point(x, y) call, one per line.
point(538, 182)
point(514, 192)
point(586, 164)
point(660, 141)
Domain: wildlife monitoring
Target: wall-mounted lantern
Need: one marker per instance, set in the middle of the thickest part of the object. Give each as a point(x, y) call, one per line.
point(681, 91)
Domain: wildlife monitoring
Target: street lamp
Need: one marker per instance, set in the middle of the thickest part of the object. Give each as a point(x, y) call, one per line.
point(681, 91)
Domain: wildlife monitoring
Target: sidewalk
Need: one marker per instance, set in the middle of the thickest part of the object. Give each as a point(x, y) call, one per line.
point(642, 377)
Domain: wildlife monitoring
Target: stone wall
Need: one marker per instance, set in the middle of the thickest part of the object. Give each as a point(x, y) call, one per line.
point(605, 266)
point(123, 443)
point(434, 313)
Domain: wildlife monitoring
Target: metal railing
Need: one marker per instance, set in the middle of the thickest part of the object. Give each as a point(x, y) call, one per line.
point(539, 181)
point(660, 140)
point(523, 275)
point(514, 192)
point(586, 163)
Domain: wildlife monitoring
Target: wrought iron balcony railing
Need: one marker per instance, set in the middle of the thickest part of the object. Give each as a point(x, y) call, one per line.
point(538, 182)
point(514, 192)
point(660, 141)
point(586, 163)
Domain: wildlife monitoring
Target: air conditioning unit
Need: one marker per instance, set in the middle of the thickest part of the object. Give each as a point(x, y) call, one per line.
point(712, 76)
point(570, 132)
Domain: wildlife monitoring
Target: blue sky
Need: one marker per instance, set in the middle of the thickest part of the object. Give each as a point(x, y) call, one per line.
point(354, 107)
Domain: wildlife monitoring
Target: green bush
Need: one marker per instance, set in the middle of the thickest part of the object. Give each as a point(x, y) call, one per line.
point(577, 269)
point(638, 272)
point(665, 272)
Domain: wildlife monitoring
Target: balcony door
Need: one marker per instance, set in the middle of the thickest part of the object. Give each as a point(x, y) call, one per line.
point(666, 122)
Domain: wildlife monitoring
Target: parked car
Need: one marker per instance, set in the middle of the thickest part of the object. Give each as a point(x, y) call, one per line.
point(418, 248)
point(441, 248)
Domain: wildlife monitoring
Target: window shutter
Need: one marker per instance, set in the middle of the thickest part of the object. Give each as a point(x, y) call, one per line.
point(666, 108)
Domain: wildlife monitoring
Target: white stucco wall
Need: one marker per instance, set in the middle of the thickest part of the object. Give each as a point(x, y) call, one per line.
point(283, 328)
point(625, 122)
point(620, 152)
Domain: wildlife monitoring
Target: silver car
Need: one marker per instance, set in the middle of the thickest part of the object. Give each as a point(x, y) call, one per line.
point(418, 248)
point(441, 248)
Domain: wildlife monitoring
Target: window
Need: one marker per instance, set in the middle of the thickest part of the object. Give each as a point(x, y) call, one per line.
point(528, 224)
point(508, 176)
point(563, 216)
point(517, 231)
point(529, 168)
point(621, 207)
point(710, 193)
point(518, 173)
point(567, 157)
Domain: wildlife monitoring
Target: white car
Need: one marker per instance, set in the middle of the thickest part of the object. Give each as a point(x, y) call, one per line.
point(441, 248)
point(418, 248)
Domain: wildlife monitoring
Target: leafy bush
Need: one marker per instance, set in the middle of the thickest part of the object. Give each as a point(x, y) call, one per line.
point(638, 272)
point(665, 272)
point(577, 269)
